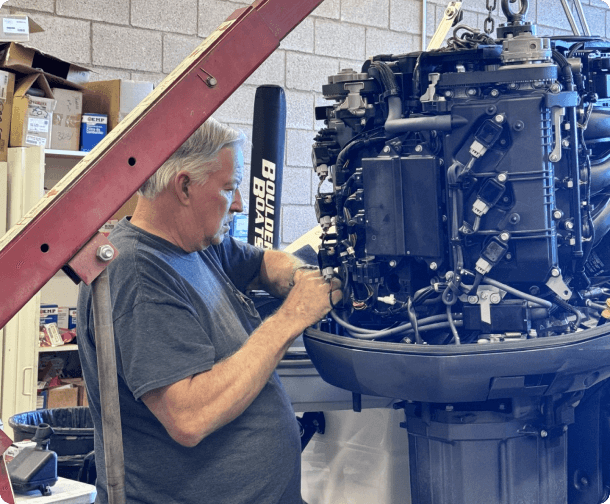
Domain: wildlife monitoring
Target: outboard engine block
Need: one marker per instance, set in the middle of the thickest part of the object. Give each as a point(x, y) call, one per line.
point(468, 223)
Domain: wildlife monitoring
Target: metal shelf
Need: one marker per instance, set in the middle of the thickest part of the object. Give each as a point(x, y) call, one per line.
point(66, 154)
point(62, 348)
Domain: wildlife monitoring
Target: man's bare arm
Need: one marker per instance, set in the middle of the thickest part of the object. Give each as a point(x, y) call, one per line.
point(279, 271)
point(193, 408)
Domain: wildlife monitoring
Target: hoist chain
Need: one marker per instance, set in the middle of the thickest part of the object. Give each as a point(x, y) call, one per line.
point(489, 23)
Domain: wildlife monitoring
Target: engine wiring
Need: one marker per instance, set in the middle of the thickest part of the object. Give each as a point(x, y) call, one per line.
point(448, 221)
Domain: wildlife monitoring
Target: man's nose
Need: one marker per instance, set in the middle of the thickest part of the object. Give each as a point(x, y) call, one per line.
point(237, 203)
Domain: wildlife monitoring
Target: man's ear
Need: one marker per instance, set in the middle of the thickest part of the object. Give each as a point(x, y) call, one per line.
point(182, 181)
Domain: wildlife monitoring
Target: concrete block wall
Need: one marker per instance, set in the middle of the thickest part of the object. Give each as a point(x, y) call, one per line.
point(146, 39)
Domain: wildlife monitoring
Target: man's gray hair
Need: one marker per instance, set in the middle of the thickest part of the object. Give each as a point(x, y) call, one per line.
point(196, 156)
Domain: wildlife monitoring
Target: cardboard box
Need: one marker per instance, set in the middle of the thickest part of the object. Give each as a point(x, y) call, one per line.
point(66, 318)
point(94, 128)
point(79, 383)
point(32, 116)
point(65, 134)
point(115, 98)
point(17, 28)
point(48, 313)
point(27, 60)
point(7, 90)
point(64, 396)
point(125, 211)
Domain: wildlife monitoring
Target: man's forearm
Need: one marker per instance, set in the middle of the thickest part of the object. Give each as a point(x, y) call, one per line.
point(193, 408)
point(277, 273)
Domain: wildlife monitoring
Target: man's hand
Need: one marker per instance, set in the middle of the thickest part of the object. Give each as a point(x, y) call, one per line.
point(310, 298)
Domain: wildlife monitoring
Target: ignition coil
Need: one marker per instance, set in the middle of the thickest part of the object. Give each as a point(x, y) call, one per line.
point(493, 253)
point(487, 135)
point(325, 209)
point(489, 194)
point(327, 260)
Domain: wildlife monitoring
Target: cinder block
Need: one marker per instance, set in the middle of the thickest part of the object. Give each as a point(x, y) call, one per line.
point(272, 71)
point(155, 78)
point(553, 16)
point(239, 107)
point(340, 40)
point(472, 19)
point(101, 74)
point(212, 13)
point(308, 72)
point(41, 5)
point(296, 189)
point(405, 16)
point(296, 221)
point(177, 16)
point(301, 38)
point(299, 110)
point(355, 65)
point(129, 48)
point(596, 19)
point(432, 19)
point(247, 149)
point(111, 11)
point(67, 39)
point(558, 32)
point(330, 9)
point(298, 147)
point(176, 48)
point(386, 42)
point(366, 12)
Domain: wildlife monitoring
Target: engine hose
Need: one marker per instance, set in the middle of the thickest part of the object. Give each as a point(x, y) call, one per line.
point(439, 325)
point(477, 281)
point(413, 319)
point(598, 125)
point(566, 69)
point(568, 307)
point(370, 334)
point(600, 176)
point(449, 297)
point(454, 331)
point(601, 224)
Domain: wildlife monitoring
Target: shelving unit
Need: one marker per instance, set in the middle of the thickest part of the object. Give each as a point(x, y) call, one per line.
point(32, 168)
point(69, 347)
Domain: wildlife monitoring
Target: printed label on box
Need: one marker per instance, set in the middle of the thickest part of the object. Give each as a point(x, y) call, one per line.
point(66, 318)
point(93, 128)
point(38, 125)
point(52, 332)
point(34, 140)
point(3, 85)
point(48, 313)
point(19, 26)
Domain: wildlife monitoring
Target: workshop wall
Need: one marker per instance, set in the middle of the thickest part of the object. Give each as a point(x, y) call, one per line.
point(146, 39)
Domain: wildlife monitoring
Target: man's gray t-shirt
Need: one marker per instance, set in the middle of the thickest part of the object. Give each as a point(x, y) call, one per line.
point(176, 314)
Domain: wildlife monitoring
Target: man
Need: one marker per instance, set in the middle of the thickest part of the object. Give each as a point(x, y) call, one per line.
point(205, 418)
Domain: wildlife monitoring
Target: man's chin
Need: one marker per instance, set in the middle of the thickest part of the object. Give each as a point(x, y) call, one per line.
point(217, 240)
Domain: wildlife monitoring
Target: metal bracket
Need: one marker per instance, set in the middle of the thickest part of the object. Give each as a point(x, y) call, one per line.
point(451, 13)
point(354, 101)
point(558, 113)
point(89, 262)
point(559, 287)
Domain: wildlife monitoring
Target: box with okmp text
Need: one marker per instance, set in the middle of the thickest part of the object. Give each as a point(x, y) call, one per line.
point(94, 127)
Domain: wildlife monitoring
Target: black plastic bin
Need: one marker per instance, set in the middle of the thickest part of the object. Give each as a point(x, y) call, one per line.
point(72, 439)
